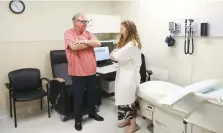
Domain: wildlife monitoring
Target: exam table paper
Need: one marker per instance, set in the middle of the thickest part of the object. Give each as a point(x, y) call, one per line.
point(199, 87)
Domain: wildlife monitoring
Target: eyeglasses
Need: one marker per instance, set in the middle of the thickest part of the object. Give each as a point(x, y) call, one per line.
point(83, 21)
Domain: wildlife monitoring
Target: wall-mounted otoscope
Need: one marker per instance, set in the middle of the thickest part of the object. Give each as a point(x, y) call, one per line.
point(189, 39)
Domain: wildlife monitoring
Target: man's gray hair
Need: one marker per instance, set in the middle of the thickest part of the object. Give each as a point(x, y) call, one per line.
point(77, 15)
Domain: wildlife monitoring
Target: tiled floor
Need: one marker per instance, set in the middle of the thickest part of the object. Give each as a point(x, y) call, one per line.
point(40, 123)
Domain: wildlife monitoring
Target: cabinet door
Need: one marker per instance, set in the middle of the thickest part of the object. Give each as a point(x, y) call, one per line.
point(168, 121)
point(104, 23)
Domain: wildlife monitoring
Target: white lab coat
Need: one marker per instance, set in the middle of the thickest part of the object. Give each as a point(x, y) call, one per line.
point(128, 73)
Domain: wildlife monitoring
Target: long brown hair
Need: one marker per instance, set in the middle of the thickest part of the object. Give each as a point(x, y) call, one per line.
point(131, 35)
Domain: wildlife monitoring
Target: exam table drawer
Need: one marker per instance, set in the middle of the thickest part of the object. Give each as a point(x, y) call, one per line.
point(167, 121)
point(146, 109)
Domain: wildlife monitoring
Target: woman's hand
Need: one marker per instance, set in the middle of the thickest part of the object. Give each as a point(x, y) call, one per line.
point(111, 56)
point(112, 53)
point(115, 50)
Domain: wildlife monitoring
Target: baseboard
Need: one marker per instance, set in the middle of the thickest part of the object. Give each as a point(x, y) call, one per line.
point(21, 111)
point(3, 116)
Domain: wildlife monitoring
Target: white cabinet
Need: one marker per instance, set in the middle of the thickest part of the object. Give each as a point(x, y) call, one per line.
point(104, 23)
point(169, 122)
point(146, 109)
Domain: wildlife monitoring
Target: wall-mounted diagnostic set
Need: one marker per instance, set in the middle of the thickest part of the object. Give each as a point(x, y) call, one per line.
point(190, 29)
point(189, 39)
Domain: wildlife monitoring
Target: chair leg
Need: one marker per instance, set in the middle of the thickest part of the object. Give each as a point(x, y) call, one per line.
point(41, 103)
point(48, 105)
point(14, 108)
point(10, 100)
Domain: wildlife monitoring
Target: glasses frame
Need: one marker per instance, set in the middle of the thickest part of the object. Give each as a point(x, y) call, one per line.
point(83, 21)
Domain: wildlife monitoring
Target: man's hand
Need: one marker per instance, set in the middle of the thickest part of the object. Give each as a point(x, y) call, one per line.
point(78, 45)
point(73, 45)
point(94, 42)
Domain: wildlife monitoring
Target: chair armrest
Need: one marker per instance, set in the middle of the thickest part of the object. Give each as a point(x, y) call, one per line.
point(46, 79)
point(7, 85)
point(149, 72)
point(56, 82)
point(47, 84)
point(59, 79)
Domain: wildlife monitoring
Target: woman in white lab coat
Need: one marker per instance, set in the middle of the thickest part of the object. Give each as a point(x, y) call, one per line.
point(128, 56)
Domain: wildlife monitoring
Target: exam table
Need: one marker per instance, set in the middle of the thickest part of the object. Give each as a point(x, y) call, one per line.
point(167, 104)
point(149, 94)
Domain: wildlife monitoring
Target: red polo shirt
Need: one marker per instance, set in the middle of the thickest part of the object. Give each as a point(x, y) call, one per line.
point(80, 62)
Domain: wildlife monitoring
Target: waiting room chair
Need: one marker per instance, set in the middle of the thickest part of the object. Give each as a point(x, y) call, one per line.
point(26, 85)
point(61, 92)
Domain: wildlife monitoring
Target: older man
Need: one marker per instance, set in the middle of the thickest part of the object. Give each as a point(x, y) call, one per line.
point(79, 45)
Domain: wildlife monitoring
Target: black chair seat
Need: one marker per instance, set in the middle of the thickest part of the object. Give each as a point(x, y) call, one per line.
point(29, 95)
